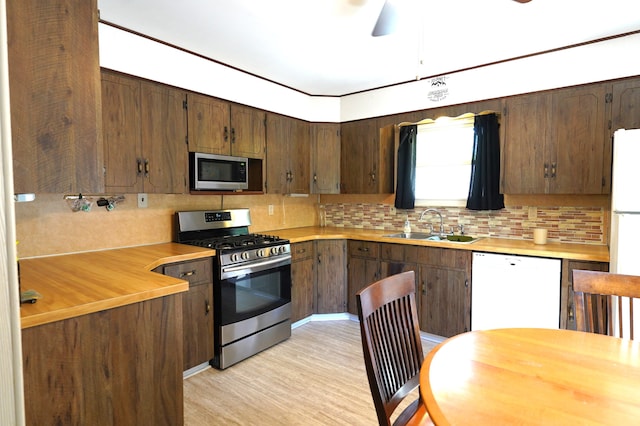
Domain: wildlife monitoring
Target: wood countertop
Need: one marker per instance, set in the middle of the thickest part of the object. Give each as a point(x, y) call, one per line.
point(587, 252)
point(77, 284)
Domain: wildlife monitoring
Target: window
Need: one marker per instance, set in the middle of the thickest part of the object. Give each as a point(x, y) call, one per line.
point(444, 151)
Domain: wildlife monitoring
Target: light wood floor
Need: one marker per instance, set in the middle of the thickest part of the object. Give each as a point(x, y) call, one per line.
point(317, 377)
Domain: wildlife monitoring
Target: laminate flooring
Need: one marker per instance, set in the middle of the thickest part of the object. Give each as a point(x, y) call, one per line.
point(316, 377)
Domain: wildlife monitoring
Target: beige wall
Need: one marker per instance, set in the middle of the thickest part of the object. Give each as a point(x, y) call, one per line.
point(48, 226)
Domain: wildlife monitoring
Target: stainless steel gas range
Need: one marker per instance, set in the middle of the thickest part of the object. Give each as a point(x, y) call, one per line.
point(252, 283)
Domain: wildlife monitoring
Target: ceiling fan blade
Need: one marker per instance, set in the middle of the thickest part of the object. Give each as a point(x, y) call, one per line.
point(386, 23)
point(523, 1)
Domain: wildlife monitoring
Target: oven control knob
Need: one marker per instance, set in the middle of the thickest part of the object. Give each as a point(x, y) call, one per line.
point(261, 253)
point(234, 257)
point(245, 255)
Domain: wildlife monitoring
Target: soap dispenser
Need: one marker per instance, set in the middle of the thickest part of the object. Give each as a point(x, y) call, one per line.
point(407, 226)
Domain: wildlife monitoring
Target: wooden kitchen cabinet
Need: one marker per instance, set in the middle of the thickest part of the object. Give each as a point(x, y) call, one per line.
point(120, 366)
point(325, 158)
point(55, 96)
point(140, 155)
point(221, 127)
point(556, 142)
point(363, 269)
point(303, 279)
point(331, 276)
point(625, 100)
point(567, 311)
point(288, 155)
point(197, 310)
point(444, 298)
point(366, 159)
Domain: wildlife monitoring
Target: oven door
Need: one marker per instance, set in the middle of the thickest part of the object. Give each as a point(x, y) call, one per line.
point(250, 292)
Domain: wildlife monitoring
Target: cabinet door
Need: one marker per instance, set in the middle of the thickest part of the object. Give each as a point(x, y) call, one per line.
point(626, 105)
point(197, 317)
point(331, 291)
point(208, 120)
point(325, 158)
point(164, 145)
point(54, 79)
point(247, 132)
point(578, 140)
point(121, 133)
point(302, 286)
point(567, 311)
point(362, 272)
point(527, 120)
point(443, 306)
point(299, 158)
point(278, 136)
point(357, 161)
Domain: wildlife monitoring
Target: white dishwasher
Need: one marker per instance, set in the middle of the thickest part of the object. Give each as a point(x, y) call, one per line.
point(514, 291)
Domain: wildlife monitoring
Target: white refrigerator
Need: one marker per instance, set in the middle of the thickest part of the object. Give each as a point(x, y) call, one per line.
point(624, 243)
point(624, 247)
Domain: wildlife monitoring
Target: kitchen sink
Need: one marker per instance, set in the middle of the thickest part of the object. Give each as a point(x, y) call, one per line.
point(461, 239)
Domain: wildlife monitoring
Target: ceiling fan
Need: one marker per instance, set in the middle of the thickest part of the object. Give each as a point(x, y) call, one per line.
point(386, 23)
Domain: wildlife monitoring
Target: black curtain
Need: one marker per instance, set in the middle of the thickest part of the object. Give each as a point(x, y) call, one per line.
point(484, 189)
point(406, 188)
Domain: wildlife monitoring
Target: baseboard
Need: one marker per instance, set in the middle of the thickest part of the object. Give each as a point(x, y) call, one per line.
point(433, 338)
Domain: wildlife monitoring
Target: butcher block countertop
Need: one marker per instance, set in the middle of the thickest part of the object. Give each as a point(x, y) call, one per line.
point(83, 283)
point(587, 252)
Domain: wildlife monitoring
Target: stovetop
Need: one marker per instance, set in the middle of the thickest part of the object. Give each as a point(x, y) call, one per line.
point(232, 242)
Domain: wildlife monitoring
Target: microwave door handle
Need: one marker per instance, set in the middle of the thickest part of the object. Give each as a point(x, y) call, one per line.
point(259, 266)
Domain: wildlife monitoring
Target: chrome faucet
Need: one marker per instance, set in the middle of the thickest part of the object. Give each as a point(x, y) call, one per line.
point(436, 212)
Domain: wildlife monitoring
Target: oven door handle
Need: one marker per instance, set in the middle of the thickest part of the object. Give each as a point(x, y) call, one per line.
point(232, 271)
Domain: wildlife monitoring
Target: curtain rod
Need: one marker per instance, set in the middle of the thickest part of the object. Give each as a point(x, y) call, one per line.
point(460, 117)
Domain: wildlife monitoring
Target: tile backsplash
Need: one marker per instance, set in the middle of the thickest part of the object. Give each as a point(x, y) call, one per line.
point(584, 225)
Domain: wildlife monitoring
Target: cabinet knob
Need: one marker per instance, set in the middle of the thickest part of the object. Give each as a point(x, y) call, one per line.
point(146, 167)
point(554, 166)
point(546, 170)
point(207, 307)
point(233, 135)
point(424, 288)
point(139, 167)
point(187, 274)
point(226, 133)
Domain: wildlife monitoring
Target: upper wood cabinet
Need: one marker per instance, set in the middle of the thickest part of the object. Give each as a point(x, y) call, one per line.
point(625, 100)
point(366, 158)
point(54, 81)
point(220, 127)
point(139, 154)
point(288, 155)
point(555, 142)
point(325, 158)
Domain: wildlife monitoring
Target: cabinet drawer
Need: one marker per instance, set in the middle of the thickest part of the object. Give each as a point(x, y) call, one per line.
point(195, 271)
point(301, 251)
point(364, 249)
point(393, 251)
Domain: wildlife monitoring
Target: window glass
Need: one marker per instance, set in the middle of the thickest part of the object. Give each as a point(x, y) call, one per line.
point(443, 160)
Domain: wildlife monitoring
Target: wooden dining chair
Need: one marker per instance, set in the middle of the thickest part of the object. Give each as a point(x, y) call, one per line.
point(604, 302)
point(392, 346)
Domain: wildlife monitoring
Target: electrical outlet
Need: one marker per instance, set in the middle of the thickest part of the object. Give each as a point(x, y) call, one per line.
point(142, 201)
point(270, 209)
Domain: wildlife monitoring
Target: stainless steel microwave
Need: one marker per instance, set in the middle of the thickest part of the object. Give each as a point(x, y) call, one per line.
point(212, 172)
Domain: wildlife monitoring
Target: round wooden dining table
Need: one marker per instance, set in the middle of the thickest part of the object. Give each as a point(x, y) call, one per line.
point(531, 376)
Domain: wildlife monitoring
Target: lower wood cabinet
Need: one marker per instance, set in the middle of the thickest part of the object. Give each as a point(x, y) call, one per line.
point(197, 309)
point(331, 275)
point(567, 312)
point(364, 269)
point(121, 366)
point(303, 278)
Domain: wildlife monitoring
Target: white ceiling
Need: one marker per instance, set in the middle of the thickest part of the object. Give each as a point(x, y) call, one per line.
point(325, 47)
